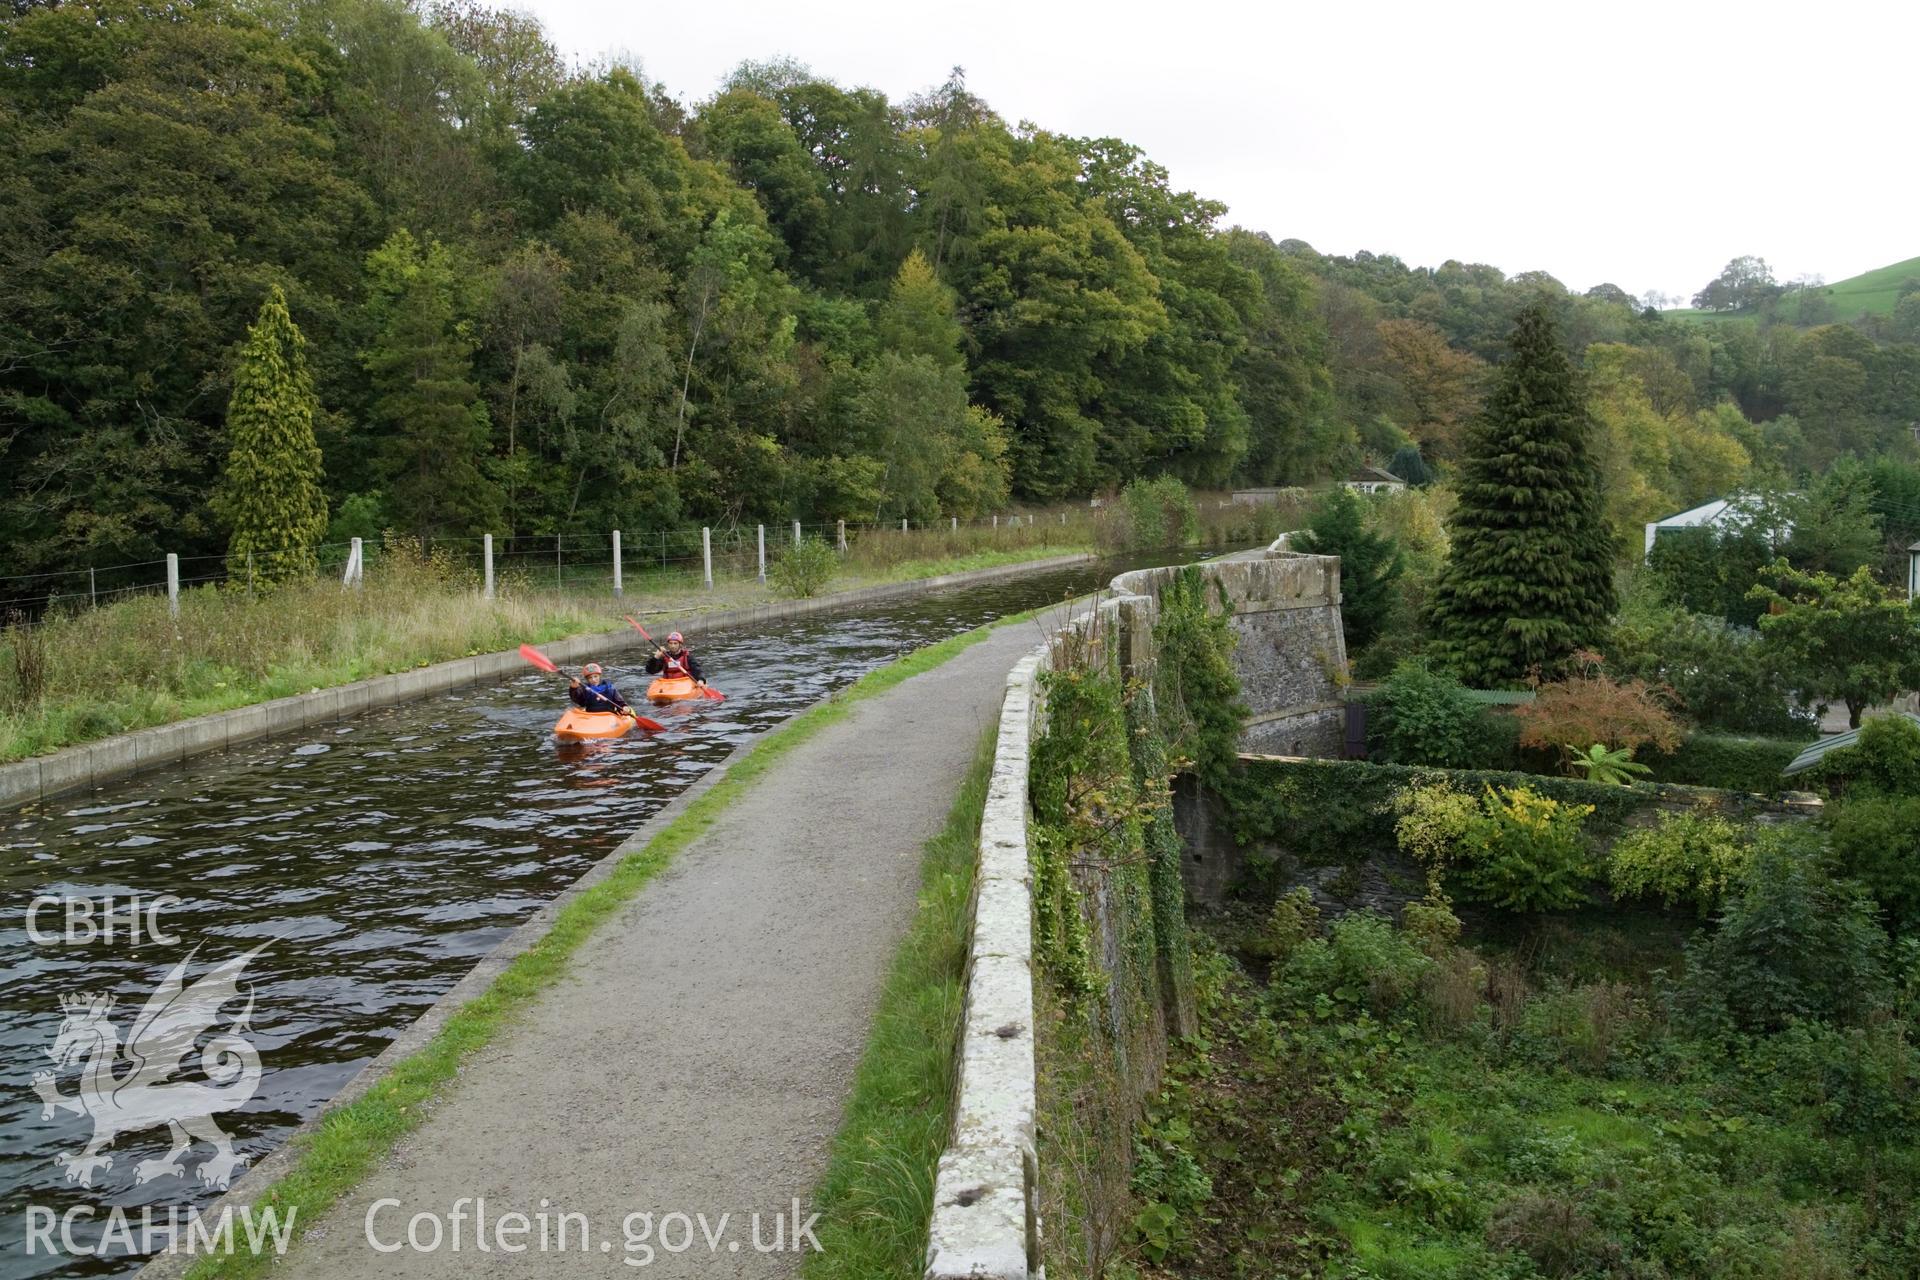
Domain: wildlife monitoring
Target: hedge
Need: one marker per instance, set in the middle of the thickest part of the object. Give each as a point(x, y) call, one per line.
point(1723, 761)
point(1732, 763)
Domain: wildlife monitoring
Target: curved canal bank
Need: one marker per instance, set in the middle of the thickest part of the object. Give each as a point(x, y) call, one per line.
point(380, 858)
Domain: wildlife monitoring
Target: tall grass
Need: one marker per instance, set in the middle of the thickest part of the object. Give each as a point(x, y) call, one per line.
point(888, 553)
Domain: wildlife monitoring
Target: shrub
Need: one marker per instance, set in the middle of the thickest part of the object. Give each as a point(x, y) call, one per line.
point(1687, 858)
point(1721, 675)
point(1792, 942)
point(1430, 923)
point(1556, 1233)
point(802, 570)
point(1514, 848)
point(1851, 1081)
point(1160, 513)
point(1293, 920)
point(1876, 840)
point(1885, 759)
point(1584, 1027)
point(1588, 707)
point(1363, 962)
point(1433, 822)
point(1195, 689)
point(1735, 764)
point(1327, 812)
point(1430, 718)
point(1526, 852)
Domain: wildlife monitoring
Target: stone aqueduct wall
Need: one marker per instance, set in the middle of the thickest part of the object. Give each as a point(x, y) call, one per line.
point(1286, 613)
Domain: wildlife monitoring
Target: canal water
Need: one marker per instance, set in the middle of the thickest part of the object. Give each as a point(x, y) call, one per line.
point(373, 861)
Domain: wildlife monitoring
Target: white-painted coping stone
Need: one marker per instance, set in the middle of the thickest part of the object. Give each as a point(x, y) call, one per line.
point(983, 1197)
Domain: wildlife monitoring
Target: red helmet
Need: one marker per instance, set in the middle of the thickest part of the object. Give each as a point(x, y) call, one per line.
point(674, 638)
point(591, 669)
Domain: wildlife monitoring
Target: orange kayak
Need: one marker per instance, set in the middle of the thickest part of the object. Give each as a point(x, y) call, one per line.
point(576, 725)
point(665, 690)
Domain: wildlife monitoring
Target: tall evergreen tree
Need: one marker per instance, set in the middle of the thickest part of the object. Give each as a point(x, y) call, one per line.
point(271, 491)
point(1370, 563)
point(917, 318)
point(1530, 576)
point(1410, 466)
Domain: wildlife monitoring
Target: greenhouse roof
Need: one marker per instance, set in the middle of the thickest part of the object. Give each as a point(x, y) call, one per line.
point(1815, 753)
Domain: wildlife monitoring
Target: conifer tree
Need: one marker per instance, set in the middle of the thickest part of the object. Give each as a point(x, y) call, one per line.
point(917, 318)
point(270, 494)
point(1410, 466)
point(1530, 576)
point(1370, 563)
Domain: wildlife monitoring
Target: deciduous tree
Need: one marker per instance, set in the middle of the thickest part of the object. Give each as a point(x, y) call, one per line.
point(1441, 385)
point(1846, 638)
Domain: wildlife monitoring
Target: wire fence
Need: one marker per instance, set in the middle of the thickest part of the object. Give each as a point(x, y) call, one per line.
point(577, 563)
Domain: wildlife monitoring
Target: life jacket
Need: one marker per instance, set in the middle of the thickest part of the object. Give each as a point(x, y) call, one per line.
point(599, 697)
point(676, 665)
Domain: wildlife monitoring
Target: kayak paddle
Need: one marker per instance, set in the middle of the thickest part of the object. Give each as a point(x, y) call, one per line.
point(711, 694)
point(545, 663)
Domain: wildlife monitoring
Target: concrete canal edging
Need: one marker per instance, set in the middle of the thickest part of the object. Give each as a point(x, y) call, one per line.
point(97, 764)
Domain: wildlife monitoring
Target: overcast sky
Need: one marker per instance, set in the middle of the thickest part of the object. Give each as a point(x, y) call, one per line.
point(1639, 143)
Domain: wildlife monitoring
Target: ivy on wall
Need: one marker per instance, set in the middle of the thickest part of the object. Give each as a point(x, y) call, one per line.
point(1195, 687)
point(1085, 808)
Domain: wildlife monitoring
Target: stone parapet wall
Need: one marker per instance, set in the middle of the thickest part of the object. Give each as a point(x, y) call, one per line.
point(1291, 660)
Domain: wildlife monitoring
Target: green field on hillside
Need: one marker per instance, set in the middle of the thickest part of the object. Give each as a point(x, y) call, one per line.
point(1873, 292)
point(1869, 293)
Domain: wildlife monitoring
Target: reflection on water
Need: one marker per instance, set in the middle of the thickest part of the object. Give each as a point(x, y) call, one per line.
point(378, 859)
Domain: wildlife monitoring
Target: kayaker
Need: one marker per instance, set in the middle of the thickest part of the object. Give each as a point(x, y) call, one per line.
point(675, 661)
point(592, 691)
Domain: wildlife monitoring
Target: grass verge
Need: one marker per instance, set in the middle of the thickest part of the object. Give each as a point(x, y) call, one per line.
point(876, 1198)
point(349, 1141)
